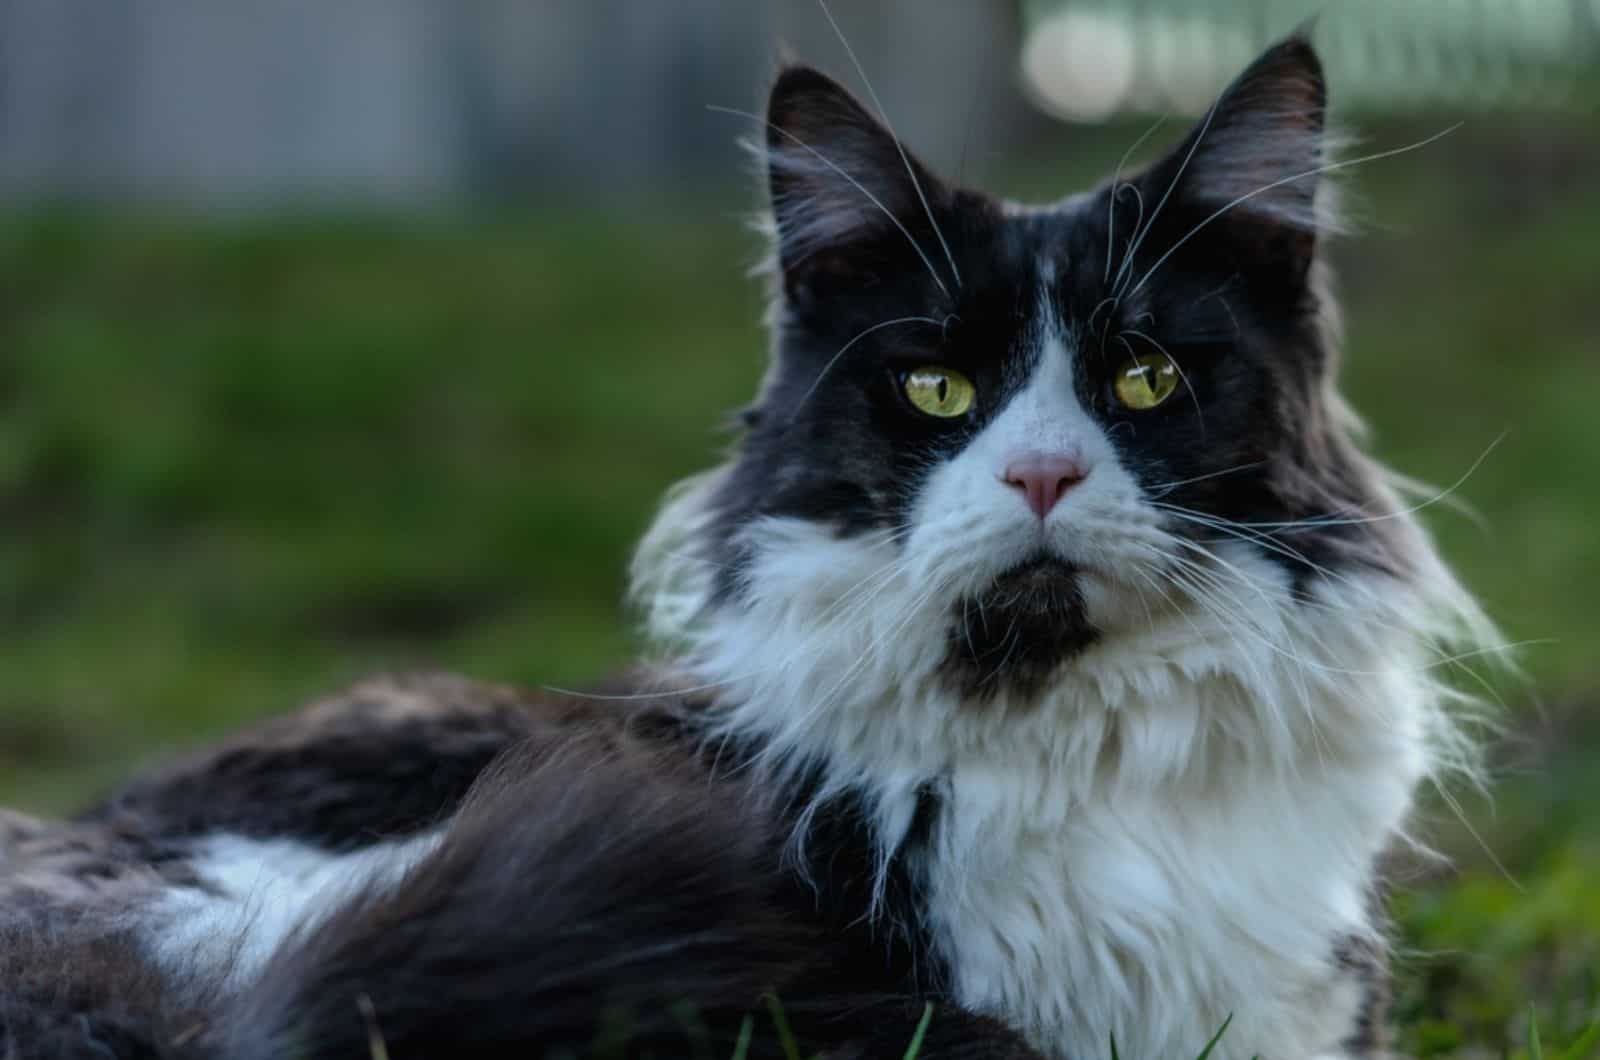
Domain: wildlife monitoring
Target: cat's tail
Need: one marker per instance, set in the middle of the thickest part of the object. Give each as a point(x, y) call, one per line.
point(589, 901)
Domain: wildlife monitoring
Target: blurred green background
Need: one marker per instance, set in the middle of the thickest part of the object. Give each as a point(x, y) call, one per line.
point(248, 454)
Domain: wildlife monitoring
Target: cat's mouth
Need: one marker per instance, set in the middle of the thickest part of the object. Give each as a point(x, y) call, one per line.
point(1015, 633)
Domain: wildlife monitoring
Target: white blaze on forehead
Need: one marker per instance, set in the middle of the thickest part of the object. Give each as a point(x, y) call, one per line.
point(1045, 415)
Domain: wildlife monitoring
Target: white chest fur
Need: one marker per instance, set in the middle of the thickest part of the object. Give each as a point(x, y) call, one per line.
point(1183, 827)
point(1154, 918)
point(1150, 849)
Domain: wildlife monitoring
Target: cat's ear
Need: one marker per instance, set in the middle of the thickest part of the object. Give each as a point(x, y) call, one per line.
point(846, 199)
point(1249, 170)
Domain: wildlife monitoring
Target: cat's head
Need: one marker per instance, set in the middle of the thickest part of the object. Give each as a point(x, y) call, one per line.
point(995, 440)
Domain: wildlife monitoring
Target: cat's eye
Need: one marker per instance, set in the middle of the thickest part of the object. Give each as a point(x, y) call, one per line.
point(940, 392)
point(1145, 380)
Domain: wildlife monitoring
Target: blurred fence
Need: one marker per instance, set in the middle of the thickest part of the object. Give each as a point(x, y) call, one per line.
point(416, 100)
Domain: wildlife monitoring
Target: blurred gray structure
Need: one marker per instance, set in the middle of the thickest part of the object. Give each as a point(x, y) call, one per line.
point(409, 102)
point(255, 102)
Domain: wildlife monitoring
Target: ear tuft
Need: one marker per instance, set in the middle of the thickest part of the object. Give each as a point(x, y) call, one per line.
point(806, 103)
point(835, 174)
point(1261, 146)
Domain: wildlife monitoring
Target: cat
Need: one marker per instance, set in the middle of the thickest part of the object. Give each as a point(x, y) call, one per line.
point(1048, 652)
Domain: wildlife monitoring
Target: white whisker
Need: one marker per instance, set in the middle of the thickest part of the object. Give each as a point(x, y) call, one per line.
point(1116, 189)
point(1168, 487)
point(911, 172)
point(1317, 171)
point(792, 138)
point(1317, 522)
point(1133, 248)
point(843, 349)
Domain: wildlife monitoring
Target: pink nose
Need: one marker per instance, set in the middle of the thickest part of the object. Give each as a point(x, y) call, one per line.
point(1043, 478)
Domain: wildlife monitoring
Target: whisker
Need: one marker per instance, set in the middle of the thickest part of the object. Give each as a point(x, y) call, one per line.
point(631, 697)
point(1201, 575)
point(1149, 618)
point(1089, 324)
point(1215, 579)
point(1168, 487)
point(1185, 574)
point(1451, 801)
point(1316, 522)
point(1133, 248)
point(1116, 189)
point(904, 158)
point(1330, 168)
point(1441, 658)
point(1138, 223)
point(792, 138)
point(826, 700)
point(1217, 294)
point(1149, 579)
point(843, 349)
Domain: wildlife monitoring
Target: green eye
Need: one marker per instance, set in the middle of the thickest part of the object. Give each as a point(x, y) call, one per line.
point(939, 392)
point(1145, 380)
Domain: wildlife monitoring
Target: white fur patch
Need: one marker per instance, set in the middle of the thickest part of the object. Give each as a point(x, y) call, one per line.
point(1181, 827)
point(258, 893)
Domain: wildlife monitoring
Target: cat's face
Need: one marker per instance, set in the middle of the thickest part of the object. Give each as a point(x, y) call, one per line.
point(1049, 415)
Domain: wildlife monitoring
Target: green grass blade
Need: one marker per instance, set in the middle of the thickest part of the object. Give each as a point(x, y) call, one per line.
point(922, 1029)
point(1212, 1044)
point(780, 1019)
point(1584, 1047)
point(1114, 1055)
point(1535, 1050)
point(747, 1029)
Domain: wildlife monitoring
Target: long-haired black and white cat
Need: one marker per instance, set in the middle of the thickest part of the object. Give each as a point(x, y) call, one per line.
point(1048, 651)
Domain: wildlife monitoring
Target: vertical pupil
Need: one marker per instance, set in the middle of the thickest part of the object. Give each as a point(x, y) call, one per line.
point(942, 389)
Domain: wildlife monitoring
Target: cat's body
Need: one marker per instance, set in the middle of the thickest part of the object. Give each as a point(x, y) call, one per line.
point(605, 868)
point(213, 879)
point(1048, 651)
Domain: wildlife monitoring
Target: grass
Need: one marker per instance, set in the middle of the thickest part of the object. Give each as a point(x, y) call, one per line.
point(243, 461)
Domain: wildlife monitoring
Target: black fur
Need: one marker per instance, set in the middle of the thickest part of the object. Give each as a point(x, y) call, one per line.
point(74, 986)
point(504, 938)
point(1019, 632)
point(604, 876)
point(387, 759)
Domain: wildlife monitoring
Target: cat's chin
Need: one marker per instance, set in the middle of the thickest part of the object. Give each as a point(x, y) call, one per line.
point(1011, 636)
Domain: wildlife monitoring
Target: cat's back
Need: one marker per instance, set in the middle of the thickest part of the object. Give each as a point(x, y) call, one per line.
point(383, 759)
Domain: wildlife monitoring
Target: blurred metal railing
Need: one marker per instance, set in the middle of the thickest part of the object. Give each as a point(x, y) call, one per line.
point(1090, 59)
